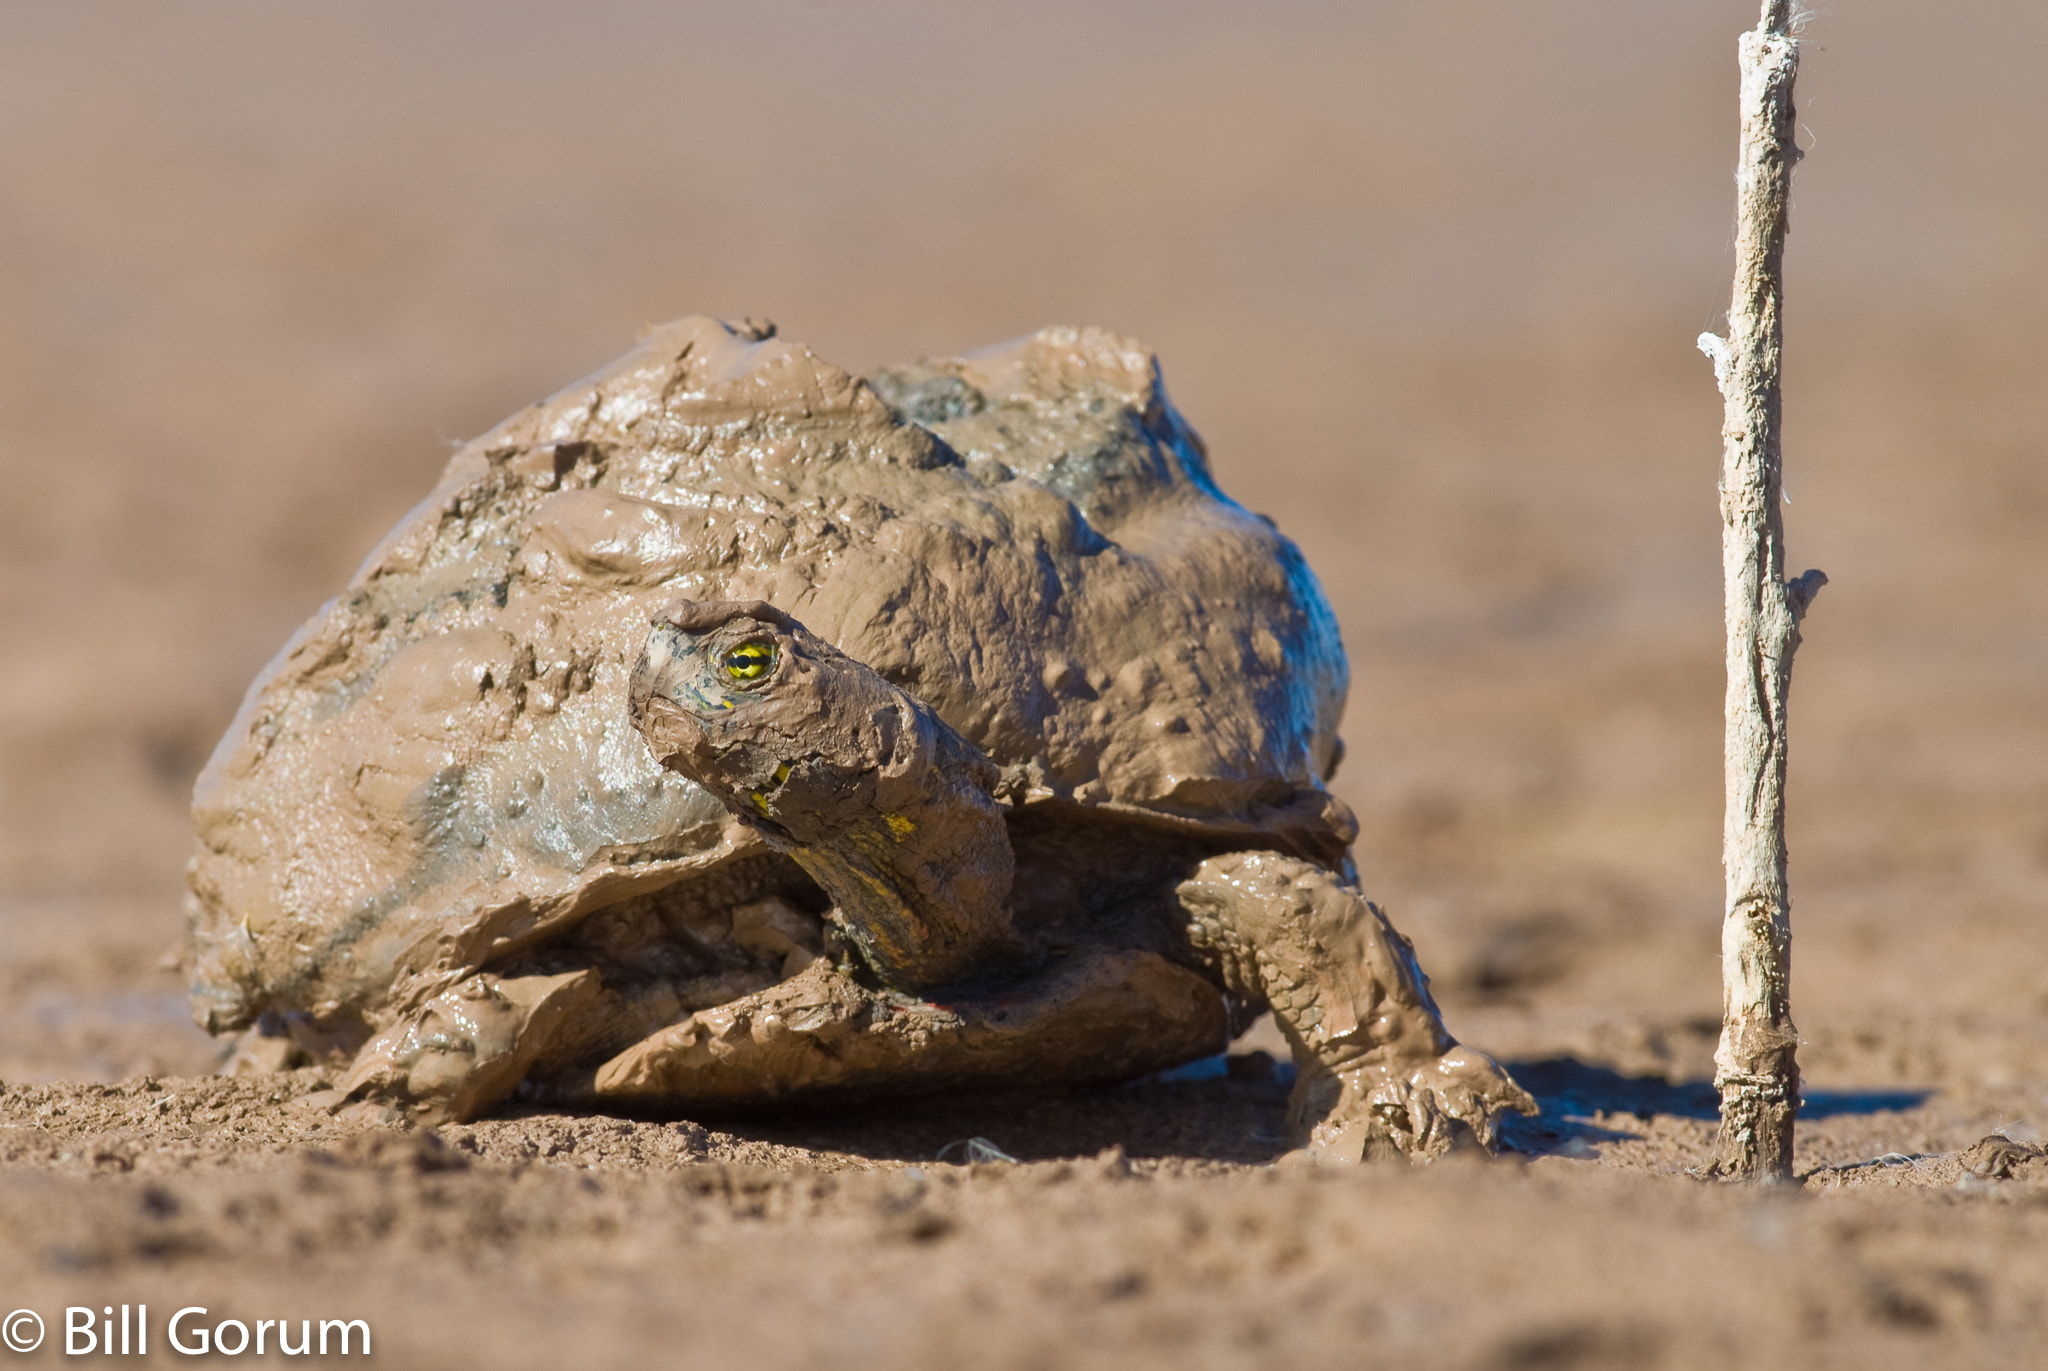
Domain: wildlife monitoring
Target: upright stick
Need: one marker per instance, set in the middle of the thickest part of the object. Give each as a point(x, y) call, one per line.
point(1756, 1066)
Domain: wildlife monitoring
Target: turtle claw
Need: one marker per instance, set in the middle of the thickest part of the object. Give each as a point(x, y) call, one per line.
point(1423, 1112)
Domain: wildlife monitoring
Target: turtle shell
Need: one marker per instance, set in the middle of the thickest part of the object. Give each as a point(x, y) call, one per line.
point(437, 770)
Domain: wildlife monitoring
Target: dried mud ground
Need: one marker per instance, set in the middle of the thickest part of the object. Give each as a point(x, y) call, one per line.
point(1145, 1225)
point(1427, 283)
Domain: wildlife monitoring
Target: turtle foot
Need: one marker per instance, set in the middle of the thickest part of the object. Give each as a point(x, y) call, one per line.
point(1417, 1111)
point(465, 1049)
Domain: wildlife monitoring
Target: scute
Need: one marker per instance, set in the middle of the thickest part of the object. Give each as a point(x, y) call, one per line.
point(437, 770)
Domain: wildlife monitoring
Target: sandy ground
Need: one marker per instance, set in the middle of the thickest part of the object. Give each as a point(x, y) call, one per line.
point(1427, 279)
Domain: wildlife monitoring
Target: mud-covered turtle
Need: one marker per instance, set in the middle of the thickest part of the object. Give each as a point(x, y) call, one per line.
point(729, 730)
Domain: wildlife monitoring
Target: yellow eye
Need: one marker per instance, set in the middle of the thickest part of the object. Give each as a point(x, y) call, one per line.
point(750, 660)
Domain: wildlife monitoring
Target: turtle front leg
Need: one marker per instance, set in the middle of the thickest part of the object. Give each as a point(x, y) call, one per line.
point(465, 1049)
point(823, 1036)
point(1376, 1070)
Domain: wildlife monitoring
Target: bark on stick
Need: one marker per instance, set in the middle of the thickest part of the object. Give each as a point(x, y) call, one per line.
point(1756, 1065)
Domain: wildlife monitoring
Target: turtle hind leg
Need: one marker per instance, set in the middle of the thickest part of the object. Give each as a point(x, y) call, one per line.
point(1376, 1070)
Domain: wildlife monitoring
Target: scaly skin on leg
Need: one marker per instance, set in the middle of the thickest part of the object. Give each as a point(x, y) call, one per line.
point(821, 1035)
point(464, 1050)
point(1377, 1071)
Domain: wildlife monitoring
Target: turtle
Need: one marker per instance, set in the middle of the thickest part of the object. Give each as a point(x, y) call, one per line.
point(731, 732)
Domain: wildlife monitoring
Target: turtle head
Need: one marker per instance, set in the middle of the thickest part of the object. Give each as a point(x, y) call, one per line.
point(739, 697)
point(861, 782)
point(709, 657)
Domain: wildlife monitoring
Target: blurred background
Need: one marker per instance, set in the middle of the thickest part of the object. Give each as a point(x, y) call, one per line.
point(1427, 277)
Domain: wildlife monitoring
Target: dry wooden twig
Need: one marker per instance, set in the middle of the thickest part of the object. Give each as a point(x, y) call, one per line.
point(1756, 1065)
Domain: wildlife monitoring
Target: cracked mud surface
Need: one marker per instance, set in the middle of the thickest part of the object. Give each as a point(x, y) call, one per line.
point(1489, 433)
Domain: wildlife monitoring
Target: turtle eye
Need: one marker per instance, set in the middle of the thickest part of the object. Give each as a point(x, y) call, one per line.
point(748, 661)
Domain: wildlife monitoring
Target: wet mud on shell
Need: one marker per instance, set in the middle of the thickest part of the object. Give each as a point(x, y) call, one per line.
point(433, 779)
